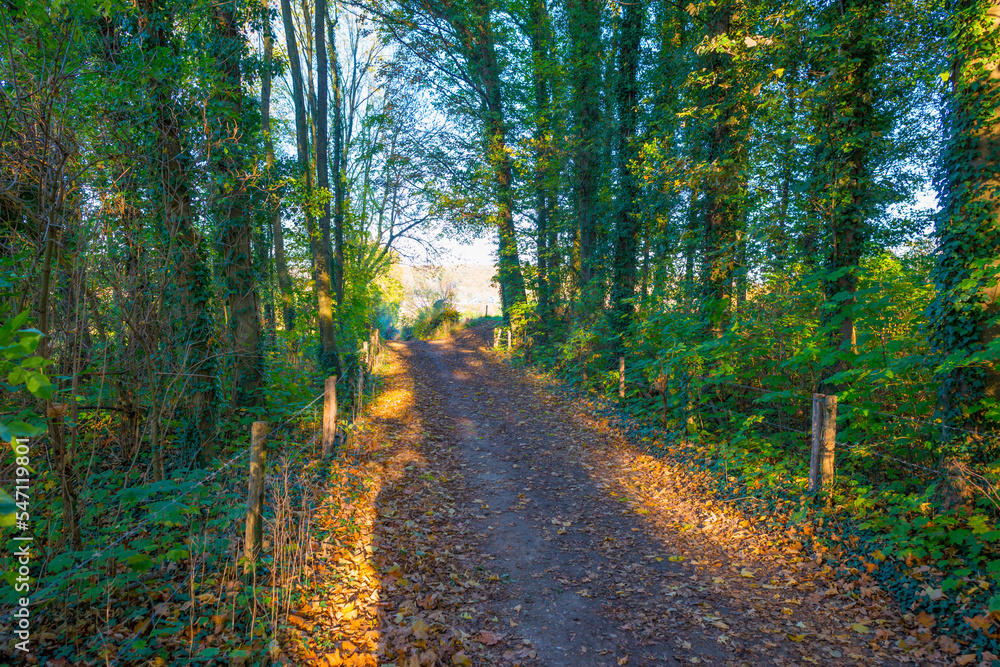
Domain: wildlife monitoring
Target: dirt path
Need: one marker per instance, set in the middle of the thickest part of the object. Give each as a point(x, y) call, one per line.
point(510, 528)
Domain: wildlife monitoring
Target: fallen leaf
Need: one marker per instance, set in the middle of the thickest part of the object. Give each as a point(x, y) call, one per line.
point(490, 638)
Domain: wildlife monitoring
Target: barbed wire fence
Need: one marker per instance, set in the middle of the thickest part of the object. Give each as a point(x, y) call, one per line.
point(873, 445)
point(225, 480)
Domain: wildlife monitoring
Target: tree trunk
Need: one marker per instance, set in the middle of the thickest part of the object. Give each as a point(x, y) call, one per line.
point(340, 167)
point(483, 60)
point(541, 44)
point(723, 186)
point(584, 24)
point(963, 314)
point(236, 233)
point(278, 235)
point(193, 326)
point(321, 273)
point(327, 330)
point(627, 220)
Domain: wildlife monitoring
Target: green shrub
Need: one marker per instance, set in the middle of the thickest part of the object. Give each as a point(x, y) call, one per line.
point(436, 321)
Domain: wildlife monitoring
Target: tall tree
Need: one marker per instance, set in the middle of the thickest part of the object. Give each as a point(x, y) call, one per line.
point(626, 155)
point(585, 67)
point(466, 28)
point(541, 37)
point(339, 168)
point(277, 232)
point(193, 325)
point(964, 313)
point(321, 267)
point(849, 128)
point(724, 184)
point(235, 220)
point(329, 356)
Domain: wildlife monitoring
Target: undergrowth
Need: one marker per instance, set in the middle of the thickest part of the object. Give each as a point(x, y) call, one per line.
point(913, 505)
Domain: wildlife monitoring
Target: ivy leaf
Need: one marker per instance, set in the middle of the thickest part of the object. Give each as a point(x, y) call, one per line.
point(20, 429)
point(8, 508)
point(140, 562)
point(39, 386)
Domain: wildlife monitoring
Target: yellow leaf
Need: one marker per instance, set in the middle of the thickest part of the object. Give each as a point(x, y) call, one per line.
point(746, 573)
point(421, 629)
point(797, 638)
point(461, 659)
point(780, 72)
point(860, 628)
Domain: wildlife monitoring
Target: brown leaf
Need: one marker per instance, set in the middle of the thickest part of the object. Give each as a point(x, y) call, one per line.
point(490, 638)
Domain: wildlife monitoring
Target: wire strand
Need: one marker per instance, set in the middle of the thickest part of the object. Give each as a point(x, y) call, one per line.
point(138, 528)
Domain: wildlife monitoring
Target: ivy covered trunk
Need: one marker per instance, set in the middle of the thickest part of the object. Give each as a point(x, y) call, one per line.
point(192, 324)
point(964, 313)
point(320, 261)
point(723, 186)
point(627, 222)
point(541, 73)
point(235, 221)
point(849, 130)
point(511, 278)
point(478, 39)
point(584, 25)
point(274, 210)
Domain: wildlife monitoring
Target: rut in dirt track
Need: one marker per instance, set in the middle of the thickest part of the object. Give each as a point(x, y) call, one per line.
point(584, 575)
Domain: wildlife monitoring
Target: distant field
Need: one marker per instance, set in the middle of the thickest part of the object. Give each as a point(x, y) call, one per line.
point(468, 284)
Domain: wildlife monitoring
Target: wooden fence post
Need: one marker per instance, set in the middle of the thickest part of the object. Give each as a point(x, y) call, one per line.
point(824, 442)
point(621, 377)
point(364, 353)
point(255, 498)
point(817, 441)
point(330, 416)
point(361, 390)
point(829, 441)
point(509, 337)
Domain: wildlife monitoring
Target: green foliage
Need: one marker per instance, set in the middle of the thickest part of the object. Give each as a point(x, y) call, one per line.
point(435, 321)
point(739, 405)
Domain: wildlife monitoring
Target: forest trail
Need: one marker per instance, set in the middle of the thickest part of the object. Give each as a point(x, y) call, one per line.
point(508, 527)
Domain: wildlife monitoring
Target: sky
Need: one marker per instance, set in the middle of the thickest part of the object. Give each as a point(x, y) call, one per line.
point(448, 250)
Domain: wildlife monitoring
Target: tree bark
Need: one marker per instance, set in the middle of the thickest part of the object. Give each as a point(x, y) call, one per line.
point(627, 221)
point(541, 44)
point(963, 314)
point(236, 233)
point(277, 232)
point(584, 24)
point(723, 185)
point(321, 273)
point(193, 326)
